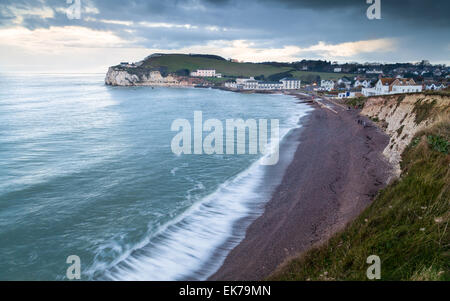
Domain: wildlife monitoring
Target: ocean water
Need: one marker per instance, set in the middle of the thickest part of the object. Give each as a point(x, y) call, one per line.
point(87, 170)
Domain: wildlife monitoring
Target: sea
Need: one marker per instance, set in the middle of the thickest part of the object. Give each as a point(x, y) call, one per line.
point(87, 170)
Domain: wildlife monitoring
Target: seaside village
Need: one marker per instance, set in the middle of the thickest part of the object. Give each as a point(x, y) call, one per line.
point(250, 83)
point(345, 87)
point(357, 80)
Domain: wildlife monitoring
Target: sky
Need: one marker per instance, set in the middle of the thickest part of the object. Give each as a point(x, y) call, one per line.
point(49, 35)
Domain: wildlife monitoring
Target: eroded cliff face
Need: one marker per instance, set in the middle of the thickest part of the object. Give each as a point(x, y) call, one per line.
point(402, 116)
point(121, 77)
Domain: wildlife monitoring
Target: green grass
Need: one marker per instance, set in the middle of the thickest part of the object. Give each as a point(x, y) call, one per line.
point(439, 143)
point(175, 62)
point(423, 109)
point(406, 225)
point(357, 102)
point(443, 93)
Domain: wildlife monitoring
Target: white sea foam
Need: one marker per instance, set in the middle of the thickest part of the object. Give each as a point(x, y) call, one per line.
point(184, 248)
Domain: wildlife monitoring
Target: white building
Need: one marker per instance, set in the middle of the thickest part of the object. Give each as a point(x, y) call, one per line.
point(374, 71)
point(290, 83)
point(346, 82)
point(206, 73)
point(386, 86)
point(348, 94)
point(361, 83)
point(270, 86)
point(326, 85)
point(434, 87)
point(249, 85)
point(243, 84)
point(252, 84)
point(337, 69)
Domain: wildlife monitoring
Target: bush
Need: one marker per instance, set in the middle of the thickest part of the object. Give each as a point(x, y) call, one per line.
point(438, 143)
point(356, 102)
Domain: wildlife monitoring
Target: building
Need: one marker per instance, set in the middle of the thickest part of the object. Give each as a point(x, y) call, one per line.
point(374, 71)
point(290, 83)
point(361, 83)
point(128, 65)
point(349, 94)
point(269, 86)
point(337, 70)
point(326, 85)
point(206, 73)
point(252, 84)
point(386, 86)
point(346, 82)
point(435, 87)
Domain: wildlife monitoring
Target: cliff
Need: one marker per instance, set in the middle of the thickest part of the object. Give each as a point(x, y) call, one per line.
point(402, 116)
point(119, 76)
point(406, 225)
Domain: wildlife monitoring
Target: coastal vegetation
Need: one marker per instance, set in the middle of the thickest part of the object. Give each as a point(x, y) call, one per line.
point(423, 109)
point(406, 225)
point(357, 102)
point(175, 62)
point(183, 64)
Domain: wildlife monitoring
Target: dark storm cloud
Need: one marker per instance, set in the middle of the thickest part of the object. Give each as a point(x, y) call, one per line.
point(267, 23)
point(428, 13)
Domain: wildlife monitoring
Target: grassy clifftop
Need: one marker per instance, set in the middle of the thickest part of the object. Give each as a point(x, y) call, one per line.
point(407, 225)
point(183, 64)
point(176, 62)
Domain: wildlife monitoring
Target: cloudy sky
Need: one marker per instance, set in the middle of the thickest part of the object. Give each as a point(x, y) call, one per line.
point(38, 35)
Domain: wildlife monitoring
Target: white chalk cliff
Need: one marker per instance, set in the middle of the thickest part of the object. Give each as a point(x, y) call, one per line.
point(121, 77)
point(401, 117)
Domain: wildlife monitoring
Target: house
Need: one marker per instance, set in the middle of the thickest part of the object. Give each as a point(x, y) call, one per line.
point(361, 83)
point(386, 86)
point(405, 86)
point(345, 81)
point(326, 85)
point(206, 73)
point(337, 70)
point(434, 87)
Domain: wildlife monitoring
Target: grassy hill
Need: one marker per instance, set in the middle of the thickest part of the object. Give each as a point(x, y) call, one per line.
point(175, 62)
point(178, 62)
point(406, 225)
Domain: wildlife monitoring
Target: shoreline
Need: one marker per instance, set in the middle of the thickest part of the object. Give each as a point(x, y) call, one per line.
point(336, 170)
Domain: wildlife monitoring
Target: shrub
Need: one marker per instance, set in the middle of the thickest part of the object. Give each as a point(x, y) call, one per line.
point(438, 143)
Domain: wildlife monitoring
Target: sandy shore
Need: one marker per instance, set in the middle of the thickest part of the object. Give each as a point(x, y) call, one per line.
point(336, 171)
